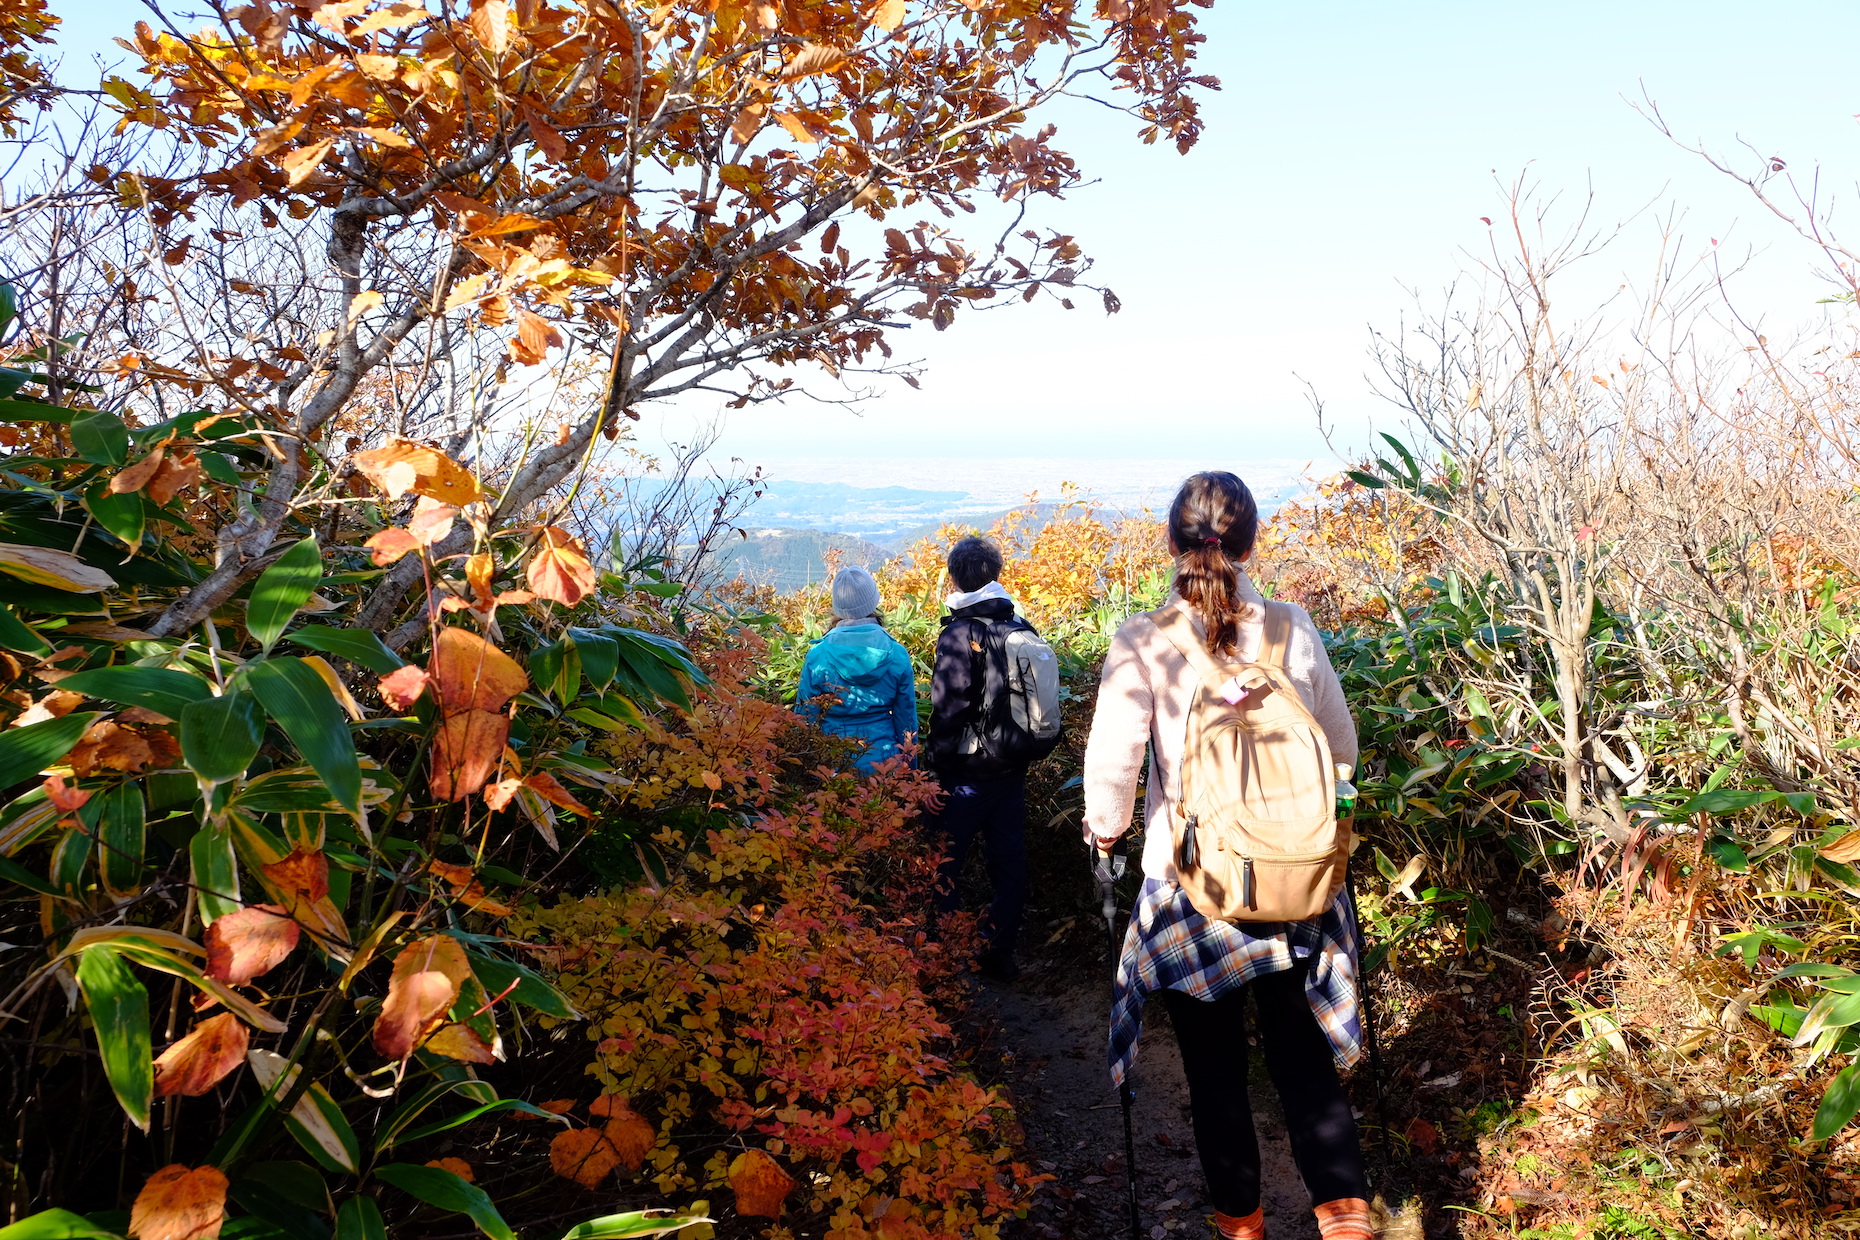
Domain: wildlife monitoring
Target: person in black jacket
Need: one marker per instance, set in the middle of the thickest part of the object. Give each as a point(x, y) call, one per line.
point(982, 795)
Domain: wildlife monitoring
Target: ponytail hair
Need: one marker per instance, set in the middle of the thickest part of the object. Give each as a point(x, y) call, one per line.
point(1213, 522)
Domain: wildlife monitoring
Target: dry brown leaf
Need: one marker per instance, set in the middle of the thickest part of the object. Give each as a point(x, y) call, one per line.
point(199, 1061)
point(250, 943)
point(180, 1204)
point(468, 890)
point(760, 1185)
point(108, 745)
point(583, 1155)
point(1844, 850)
point(469, 673)
point(632, 1136)
point(747, 122)
point(490, 24)
point(811, 59)
point(465, 750)
point(535, 337)
point(796, 127)
point(178, 472)
point(303, 161)
point(137, 476)
point(54, 705)
point(44, 566)
point(560, 571)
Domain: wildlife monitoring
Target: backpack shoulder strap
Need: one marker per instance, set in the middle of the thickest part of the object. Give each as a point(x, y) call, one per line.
point(1173, 623)
point(1277, 636)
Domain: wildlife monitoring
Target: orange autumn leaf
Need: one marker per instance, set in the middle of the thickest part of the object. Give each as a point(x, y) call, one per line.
point(632, 1135)
point(558, 1106)
point(467, 889)
point(469, 673)
point(111, 746)
point(461, 1042)
point(180, 1204)
point(583, 1155)
point(550, 789)
point(457, 1166)
point(498, 795)
point(535, 337)
point(252, 941)
point(560, 571)
point(405, 466)
point(402, 687)
point(431, 521)
point(465, 750)
point(62, 795)
point(760, 1185)
point(210, 1051)
point(413, 1004)
point(299, 880)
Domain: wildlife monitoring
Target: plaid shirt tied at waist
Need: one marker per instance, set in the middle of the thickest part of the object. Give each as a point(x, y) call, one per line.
point(1170, 946)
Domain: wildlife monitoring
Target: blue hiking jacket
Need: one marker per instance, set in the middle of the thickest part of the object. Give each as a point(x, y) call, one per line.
point(871, 675)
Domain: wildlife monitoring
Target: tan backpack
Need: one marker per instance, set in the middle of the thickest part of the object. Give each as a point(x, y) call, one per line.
point(1256, 831)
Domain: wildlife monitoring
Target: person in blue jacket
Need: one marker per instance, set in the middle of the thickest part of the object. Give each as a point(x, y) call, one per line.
point(870, 686)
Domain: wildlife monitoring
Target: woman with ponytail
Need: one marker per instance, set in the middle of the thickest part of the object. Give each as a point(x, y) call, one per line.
point(1302, 974)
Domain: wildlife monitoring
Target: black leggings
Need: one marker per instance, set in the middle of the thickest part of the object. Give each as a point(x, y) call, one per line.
point(1212, 1035)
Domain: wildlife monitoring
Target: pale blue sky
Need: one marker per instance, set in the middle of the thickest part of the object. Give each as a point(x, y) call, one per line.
point(1350, 155)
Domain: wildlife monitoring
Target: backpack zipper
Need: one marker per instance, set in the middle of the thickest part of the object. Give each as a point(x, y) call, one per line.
point(1248, 896)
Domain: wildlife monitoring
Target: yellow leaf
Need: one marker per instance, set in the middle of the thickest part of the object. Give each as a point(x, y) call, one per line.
point(44, 566)
point(341, 691)
point(384, 137)
point(402, 13)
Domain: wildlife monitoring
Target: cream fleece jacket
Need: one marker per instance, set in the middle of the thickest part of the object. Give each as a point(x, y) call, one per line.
point(1143, 699)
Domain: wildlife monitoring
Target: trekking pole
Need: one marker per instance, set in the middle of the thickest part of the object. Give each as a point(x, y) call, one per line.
point(1108, 868)
point(1366, 999)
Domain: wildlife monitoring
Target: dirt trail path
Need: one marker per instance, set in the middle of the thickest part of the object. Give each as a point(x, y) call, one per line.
point(1049, 1042)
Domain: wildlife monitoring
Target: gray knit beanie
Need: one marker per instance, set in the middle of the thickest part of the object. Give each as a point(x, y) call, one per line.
point(855, 594)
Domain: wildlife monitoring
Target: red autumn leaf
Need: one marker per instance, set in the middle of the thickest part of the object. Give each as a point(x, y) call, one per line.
point(1425, 1136)
point(211, 1050)
point(65, 797)
point(252, 941)
point(583, 1155)
point(431, 521)
point(469, 673)
point(465, 751)
point(299, 881)
point(760, 1185)
point(560, 571)
point(402, 687)
point(180, 1204)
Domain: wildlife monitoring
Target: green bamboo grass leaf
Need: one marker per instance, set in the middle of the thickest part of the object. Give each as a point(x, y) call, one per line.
point(56, 1225)
point(600, 656)
point(360, 1219)
point(24, 752)
point(299, 701)
point(316, 1122)
point(281, 591)
point(502, 1104)
point(215, 873)
point(1839, 1105)
point(122, 836)
point(358, 646)
point(125, 516)
point(638, 1223)
point(448, 1192)
point(160, 689)
point(16, 634)
point(119, 1010)
point(220, 735)
point(100, 438)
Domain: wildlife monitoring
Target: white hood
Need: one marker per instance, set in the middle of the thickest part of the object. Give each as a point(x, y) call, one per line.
point(992, 590)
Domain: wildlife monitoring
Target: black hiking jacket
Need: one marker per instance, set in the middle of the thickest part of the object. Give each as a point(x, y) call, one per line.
point(959, 687)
